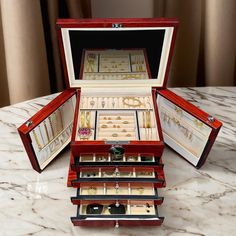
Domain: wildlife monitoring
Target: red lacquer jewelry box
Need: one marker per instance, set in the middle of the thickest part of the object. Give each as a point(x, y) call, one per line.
point(117, 114)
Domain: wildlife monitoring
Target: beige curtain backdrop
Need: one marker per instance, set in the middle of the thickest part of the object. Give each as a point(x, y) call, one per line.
point(29, 56)
point(206, 44)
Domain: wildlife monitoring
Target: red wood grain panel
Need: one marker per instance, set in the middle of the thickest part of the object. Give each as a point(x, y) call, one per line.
point(107, 23)
point(36, 119)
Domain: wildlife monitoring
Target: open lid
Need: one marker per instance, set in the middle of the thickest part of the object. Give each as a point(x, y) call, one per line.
point(187, 129)
point(48, 132)
point(155, 36)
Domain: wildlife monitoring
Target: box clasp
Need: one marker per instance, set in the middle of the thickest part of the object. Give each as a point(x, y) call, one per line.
point(117, 25)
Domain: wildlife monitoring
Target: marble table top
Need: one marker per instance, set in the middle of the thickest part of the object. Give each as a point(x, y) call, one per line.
point(197, 202)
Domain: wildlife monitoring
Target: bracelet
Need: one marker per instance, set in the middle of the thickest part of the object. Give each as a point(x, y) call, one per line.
point(135, 100)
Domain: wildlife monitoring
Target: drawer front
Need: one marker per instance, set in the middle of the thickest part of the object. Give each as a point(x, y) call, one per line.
point(117, 191)
point(116, 223)
point(116, 213)
point(106, 159)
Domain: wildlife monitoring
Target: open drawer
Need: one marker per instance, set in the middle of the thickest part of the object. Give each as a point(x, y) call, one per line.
point(120, 174)
point(117, 213)
point(106, 159)
point(117, 191)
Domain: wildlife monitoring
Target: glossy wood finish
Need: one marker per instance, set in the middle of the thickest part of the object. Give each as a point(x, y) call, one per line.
point(116, 223)
point(35, 120)
point(78, 147)
point(107, 23)
point(156, 168)
point(200, 115)
point(98, 198)
point(71, 174)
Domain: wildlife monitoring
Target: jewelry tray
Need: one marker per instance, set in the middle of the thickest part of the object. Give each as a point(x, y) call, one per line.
point(134, 210)
point(106, 159)
point(113, 174)
point(118, 191)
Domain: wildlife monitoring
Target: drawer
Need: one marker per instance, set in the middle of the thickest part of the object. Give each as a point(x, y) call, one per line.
point(105, 159)
point(117, 191)
point(119, 174)
point(117, 213)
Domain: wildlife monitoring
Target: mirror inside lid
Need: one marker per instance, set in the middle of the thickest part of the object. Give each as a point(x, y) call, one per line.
point(109, 52)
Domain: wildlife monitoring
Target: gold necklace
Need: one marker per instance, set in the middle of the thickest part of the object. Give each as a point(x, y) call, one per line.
point(46, 130)
point(37, 140)
point(50, 122)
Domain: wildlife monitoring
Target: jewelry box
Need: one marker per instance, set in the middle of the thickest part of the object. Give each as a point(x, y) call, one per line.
point(117, 113)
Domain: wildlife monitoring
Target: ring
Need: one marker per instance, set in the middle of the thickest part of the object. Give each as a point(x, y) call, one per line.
point(92, 190)
point(125, 122)
point(84, 133)
point(141, 190)
point(115, 135)
point(118, 118)
point(128, 135)
point(104, 126)
point(109, 122)
point(124, 130)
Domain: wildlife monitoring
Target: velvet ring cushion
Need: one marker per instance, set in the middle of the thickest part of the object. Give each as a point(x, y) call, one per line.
point(116, 125)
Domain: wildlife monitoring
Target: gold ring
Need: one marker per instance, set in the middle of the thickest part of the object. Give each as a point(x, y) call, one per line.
point(125, 122)
point(118, 118)
point(128, 135)
point(109, 122)
point(115, 135)
point(124, 130)
point(92, 190)
point(141, 190)
point(104, 126)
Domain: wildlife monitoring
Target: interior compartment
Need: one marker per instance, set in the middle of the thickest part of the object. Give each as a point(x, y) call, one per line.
point(107, 159)
point(115, 172)
point(118, 189)
point(119, 208)
point(114, 64)
point(51, 135)
point(182, 131)
point(124, 120)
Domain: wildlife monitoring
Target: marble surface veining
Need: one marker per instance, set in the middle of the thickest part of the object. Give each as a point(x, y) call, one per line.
point(197, 202)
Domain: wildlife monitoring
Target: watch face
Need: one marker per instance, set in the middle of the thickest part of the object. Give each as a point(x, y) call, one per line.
point(116, 209)
point(94, 209)
point(117, 153)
